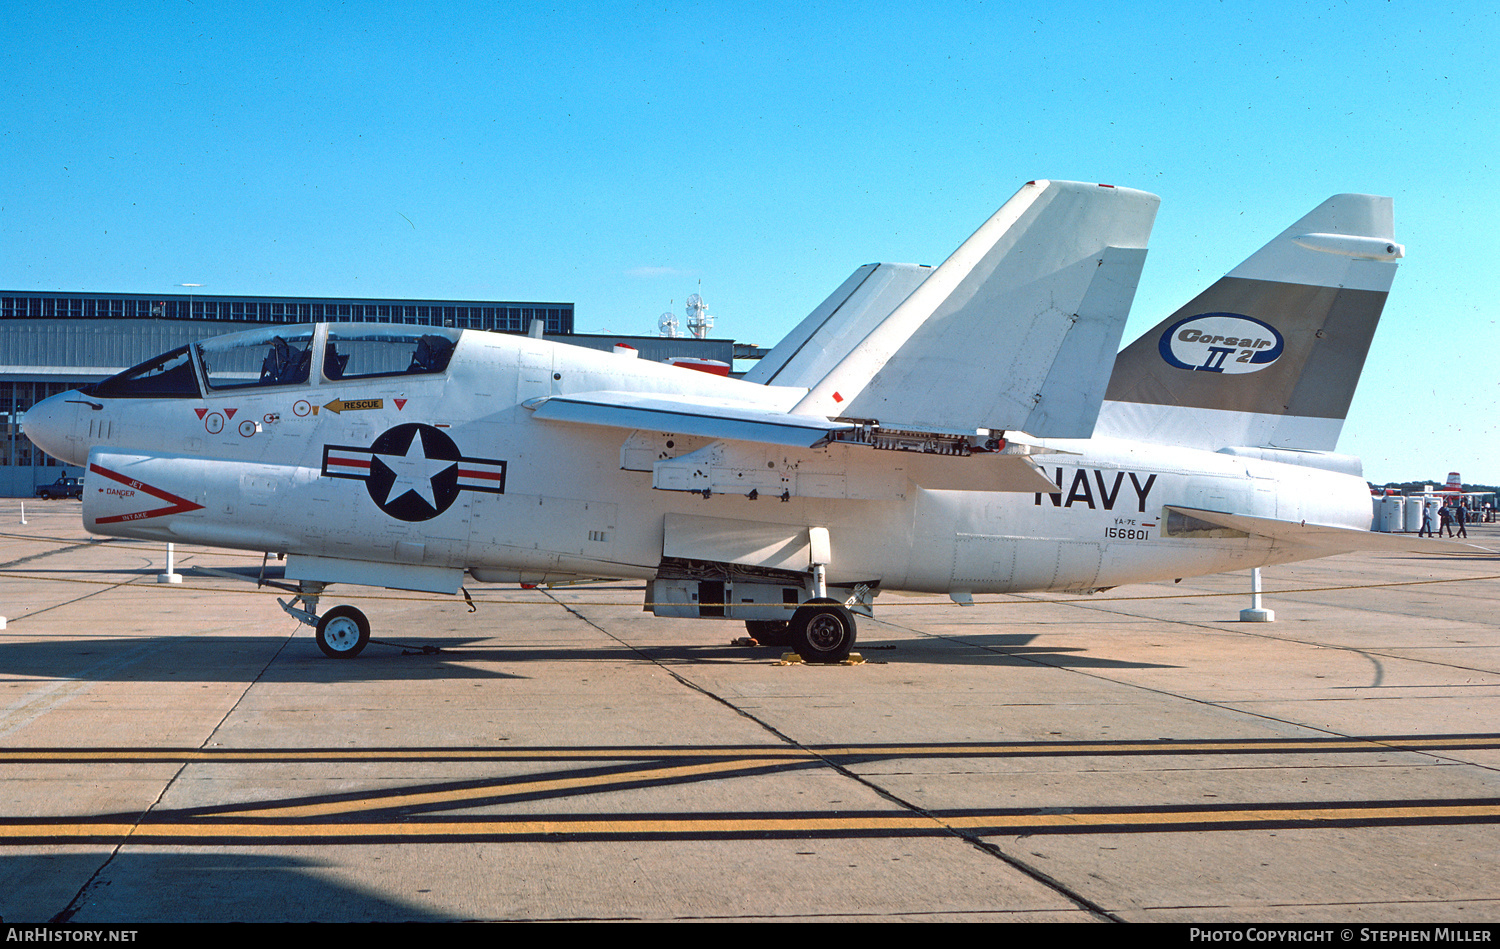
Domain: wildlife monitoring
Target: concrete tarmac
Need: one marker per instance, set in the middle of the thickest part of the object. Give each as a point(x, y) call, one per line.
point(186, 753)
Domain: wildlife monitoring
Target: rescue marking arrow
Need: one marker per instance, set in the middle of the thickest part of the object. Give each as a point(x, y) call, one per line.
point(340, 406)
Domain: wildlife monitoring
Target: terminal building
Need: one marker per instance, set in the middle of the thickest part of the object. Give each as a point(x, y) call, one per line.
point(53, 342)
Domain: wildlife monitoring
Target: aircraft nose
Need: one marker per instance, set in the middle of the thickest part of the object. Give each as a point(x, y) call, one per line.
point(52, 425)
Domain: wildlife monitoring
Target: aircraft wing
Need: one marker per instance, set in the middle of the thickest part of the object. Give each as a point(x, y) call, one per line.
point(763, 433)
point(1329, 538)
point(712, 418)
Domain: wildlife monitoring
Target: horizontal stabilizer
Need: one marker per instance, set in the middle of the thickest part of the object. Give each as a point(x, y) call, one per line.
point(1017, 330)
point(706, 417)
point(1328, 538)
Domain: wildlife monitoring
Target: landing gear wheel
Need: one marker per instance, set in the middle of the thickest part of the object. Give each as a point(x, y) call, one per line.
point(823, 631)
point(343, 632)
point(769, 632)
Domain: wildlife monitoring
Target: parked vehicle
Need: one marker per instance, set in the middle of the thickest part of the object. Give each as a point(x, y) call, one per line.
point(63, 487)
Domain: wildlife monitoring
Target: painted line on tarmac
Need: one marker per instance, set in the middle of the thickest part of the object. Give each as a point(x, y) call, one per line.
point(425, 811)
point(163, 830)
point(1327, 744)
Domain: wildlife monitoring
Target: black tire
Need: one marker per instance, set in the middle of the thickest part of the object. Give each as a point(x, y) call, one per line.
point(769, 632)
point(45, 495)
point(823, 631)
point(343, 632)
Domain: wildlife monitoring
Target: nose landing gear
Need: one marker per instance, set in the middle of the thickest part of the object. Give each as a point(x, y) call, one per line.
point(342, 632)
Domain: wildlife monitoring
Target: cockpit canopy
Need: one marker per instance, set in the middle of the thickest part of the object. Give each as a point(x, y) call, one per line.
point(167, 376)
point(285, 356)
point(279, 357)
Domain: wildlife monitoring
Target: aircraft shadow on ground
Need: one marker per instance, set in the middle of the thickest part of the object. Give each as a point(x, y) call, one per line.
point(188, 887)
point(998, 649)
point(237, 659)
point(263, 659)
point(1010, 648)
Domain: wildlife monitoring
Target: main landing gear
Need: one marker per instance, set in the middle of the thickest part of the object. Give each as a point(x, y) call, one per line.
point(342, 632)
point(821, 631)
point(769, 632)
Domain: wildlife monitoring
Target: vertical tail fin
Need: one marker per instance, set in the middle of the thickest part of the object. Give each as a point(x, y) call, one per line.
point(1014, 331)
point(1269, 355)
point(837, 325)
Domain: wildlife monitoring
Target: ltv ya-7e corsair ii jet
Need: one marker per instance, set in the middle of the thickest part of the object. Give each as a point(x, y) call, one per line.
point(961, 429)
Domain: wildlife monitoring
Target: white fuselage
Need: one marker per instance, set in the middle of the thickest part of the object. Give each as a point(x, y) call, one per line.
point(280, 468)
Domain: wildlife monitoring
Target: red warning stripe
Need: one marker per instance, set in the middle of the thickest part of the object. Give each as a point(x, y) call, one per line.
point(175, 504)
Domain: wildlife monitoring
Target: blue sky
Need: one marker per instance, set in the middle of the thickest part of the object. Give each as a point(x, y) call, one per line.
point(617, 154)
